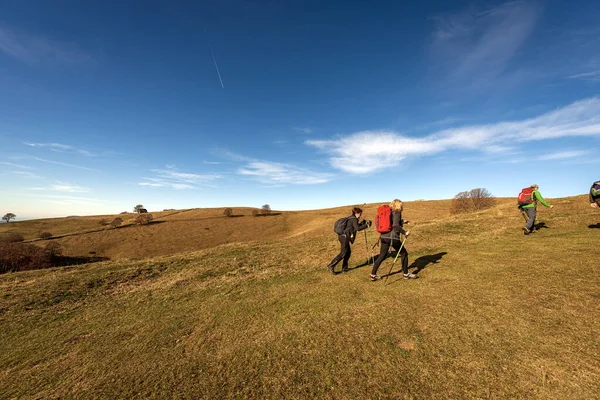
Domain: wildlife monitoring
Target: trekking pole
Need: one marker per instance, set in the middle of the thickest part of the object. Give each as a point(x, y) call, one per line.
point(367, 245)
point(371, 240)
point(397, 254)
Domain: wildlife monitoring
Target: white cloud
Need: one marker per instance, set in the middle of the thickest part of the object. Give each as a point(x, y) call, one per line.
point(173, 179)
point(303, 130)
point(593, 76)
point(65, 164)
point(33, 49)
point(562, 155)
point(15, 165)
point(63, 187)
point(26, 174)
point(278, 174)
point(57, 147)
point(369, 151)
point(479, 45)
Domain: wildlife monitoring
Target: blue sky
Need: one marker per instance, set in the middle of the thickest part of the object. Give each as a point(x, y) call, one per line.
point(300, 104)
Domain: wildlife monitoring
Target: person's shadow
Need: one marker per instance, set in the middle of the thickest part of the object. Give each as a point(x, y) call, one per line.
point(597, 226)
point(423, 262)
point(540, 225)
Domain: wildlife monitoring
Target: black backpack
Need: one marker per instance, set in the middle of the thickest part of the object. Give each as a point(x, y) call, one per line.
point(340, 225)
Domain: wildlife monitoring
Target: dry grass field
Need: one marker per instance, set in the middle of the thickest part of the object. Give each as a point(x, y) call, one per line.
point(198, 305)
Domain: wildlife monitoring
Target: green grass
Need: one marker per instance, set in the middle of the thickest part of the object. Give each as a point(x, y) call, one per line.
point(500, 315)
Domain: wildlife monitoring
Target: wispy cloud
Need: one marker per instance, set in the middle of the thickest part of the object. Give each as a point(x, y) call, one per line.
point(368, 151)
point(64, 164)
point(303, 130)
point(15, 165)
point(593, 76)
point(563, 155)
point(66, 199)
point(33, 49)
point(60, 148)
point(171, 178)
point(26, 174)
point(278, 173)
point(63, 187)
point(479, 45)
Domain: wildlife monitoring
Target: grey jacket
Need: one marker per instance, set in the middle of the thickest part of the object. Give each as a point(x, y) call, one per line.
point(397, 229)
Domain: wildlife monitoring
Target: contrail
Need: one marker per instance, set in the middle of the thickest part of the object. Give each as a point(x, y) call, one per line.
point(216, 66)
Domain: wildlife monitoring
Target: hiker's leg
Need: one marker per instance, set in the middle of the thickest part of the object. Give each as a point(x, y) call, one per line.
point(347, 255)
point(404, 259)
point(342, 254)
point(531, 218)
point(385, 245)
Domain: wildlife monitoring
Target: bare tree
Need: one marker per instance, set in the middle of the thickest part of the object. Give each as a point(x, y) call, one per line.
point(473, 200)
point(481, 198)
point(266, 209)
point(255, 212)
point(228, 212)
point(8, 216)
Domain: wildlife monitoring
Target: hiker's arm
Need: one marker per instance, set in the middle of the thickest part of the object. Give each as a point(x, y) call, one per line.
point(539, 198)
point(363, 225)
point(397, 224)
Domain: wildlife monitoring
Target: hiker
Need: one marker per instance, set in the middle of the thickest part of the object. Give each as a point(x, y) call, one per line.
point(392, 238)
point(595, 195)
point(529, 206)
point(346, 236)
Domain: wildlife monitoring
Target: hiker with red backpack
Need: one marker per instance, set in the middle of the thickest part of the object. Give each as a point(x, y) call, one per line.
point(595, 195)
point(389, 223)
point(346, 229)
point(527, 200)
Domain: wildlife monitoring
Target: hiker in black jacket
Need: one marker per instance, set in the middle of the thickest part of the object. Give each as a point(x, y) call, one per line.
point(594, 196)
point(347, 238)
point(392, 238)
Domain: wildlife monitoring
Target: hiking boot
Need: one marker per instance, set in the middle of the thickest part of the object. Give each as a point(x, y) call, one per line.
point(331, 269)
point(410, 276)
point(374, 277)
point(345, 269)
point(526, 231)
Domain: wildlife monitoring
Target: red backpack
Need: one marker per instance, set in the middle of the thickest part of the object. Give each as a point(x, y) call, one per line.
point(525, 197)
point(383, 220)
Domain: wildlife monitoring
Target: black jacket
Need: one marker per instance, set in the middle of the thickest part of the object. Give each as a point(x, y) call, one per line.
point(592, 198)
point(352, 226)
point(397, 223)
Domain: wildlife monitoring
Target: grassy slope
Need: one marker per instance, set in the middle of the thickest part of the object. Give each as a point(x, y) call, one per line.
point(500, 315)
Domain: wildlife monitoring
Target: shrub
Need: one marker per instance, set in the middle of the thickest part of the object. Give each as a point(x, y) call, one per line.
point(143, 219)
point(12, 237)
point(125, 212)
point(116, 222)
point(255, 213)
point(228, 212)
point(21, 257)
point(45, 235)
point(473, 200)
point(103, 222)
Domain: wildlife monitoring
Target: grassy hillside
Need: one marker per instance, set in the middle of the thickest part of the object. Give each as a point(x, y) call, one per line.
point(254, 313)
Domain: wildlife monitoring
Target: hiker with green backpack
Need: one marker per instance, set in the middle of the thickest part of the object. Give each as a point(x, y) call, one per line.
point(595, 195)
point(389, 224)
point(346, 229)
point(527, 201)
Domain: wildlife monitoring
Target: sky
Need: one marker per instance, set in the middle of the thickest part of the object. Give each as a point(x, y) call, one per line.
point(296, 104)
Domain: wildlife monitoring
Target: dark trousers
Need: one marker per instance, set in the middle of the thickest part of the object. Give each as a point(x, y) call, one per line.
point(345, 252)
point(385, 245)
point(531, 212)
